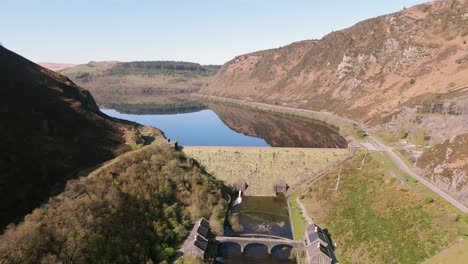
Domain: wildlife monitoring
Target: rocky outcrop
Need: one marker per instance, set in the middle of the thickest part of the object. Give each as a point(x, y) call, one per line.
point(446, 165)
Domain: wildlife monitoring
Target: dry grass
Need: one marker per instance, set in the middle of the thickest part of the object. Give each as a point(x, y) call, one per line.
point(262, 167)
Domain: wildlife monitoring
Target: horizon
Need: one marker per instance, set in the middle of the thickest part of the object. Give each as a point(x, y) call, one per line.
point(207, 33)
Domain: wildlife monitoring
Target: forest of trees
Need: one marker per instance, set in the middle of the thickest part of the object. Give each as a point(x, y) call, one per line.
point(162, 67)
point(138, 210)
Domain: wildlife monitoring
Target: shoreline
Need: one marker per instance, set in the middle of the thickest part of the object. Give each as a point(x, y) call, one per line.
point(344, 126)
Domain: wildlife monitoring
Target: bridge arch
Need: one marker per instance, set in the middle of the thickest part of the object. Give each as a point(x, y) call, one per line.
point(257, 245)
point(281, 251)
point(232, 246)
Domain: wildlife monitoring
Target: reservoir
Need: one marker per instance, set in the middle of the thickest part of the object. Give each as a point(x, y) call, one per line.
point(227, 125)
point(202, 128)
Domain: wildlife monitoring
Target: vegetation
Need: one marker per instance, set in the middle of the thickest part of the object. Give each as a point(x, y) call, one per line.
point(145, 82)
point(456, 254)
point(299, 223)
point(375, 218)
point(188, 69)
point(61, 133)
point(361, 134)
point(137, 210)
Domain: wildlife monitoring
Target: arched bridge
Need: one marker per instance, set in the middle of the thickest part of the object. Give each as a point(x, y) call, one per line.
point(269, 241)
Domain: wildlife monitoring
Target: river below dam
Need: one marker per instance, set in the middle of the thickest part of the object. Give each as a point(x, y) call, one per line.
point(258, 215)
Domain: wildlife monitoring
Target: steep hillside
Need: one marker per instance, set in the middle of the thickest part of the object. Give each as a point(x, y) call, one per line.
point(404, 74)
point(51, 129)
point(446, 164)
point(364, 72)
point(139, 210)
point(141, 82)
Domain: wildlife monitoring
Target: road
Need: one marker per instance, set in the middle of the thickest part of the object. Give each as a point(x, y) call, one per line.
point(376, 142)
point(424, 182)
point(381, 146)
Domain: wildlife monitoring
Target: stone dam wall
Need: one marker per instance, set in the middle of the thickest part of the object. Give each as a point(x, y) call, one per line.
point(261, 167)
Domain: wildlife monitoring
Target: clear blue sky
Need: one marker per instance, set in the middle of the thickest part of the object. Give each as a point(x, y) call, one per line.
point(208, 32)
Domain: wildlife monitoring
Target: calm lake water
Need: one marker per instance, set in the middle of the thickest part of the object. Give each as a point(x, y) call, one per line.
point(227, 125)
point(203, 128)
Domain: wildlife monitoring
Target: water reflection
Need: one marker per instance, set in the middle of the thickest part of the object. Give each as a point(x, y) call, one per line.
point(279, 130)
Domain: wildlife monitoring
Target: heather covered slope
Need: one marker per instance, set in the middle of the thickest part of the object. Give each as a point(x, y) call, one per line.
point(51, 129)
point(363, 72)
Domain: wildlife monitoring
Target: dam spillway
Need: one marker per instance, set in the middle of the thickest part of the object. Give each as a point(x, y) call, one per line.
point(261, 167)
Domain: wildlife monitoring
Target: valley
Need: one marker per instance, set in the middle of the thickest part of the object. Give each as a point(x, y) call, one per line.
point(350, 147)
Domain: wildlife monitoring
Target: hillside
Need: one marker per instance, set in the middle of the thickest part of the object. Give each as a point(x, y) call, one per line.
point(403, 74)
point(374, 217)
point(51, 129)
point(141, 82)
point(446, 164)
point(365, 72)
point(138, 210)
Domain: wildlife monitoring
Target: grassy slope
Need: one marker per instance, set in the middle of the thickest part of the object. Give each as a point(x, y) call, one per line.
point(375, 218)
point(297, 220)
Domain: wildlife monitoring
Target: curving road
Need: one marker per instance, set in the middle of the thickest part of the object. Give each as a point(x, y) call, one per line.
point(407, 170)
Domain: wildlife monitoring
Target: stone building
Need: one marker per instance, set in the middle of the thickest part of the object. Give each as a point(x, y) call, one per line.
point(316, 244)
point(280, 187)
point(197, 242)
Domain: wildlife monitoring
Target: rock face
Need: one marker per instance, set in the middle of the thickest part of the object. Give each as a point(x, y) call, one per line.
point(364, 72)
point(446, 165)
point(51, 129)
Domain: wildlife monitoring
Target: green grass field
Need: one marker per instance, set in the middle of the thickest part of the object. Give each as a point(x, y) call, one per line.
point(376, 218)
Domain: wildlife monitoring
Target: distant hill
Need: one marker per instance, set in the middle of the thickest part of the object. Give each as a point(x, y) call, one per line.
point(51, 129)
point(141, 82)
point(56, 66)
